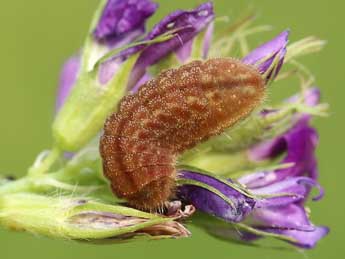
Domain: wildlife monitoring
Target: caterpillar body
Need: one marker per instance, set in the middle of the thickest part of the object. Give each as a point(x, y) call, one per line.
point(168, 115)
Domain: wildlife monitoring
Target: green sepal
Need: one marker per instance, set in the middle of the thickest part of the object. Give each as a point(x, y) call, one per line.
point(233, 38)
point(89, 104)
point(89, 44)
point(76, 218)
point(219, 162)
point(303, 47)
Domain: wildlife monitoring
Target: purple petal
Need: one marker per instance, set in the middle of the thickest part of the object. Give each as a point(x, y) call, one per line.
point(122, 22)
point(208, 202)
point(208, 39)
point(263, 56)
point(268, 149)
point(68, 78)
point(187, 23)
point(122, 40)
point(291, 217)
point(299, 143)
point(296, 188)
point(108, 70)
point(142, 81)
point(185, 51)
point(276, 146)
point(311, 97)
point(120, 17)
point(304, 239)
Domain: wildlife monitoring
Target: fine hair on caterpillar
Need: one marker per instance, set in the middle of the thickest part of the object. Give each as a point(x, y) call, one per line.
point(168, 115)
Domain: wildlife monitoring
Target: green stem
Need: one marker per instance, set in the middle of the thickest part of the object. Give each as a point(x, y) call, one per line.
point(42, 167)
point(21, 185)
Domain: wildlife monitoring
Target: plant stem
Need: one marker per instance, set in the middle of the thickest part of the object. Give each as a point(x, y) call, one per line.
point(21, 185)
point(46, 164)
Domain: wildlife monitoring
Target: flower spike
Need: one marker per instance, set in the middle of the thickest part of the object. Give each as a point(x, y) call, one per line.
point(148, 130)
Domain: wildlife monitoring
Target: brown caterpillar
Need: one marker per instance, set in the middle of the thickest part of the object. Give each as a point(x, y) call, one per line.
point(172, 113)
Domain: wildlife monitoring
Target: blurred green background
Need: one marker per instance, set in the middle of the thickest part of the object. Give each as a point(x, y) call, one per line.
point(38, 35)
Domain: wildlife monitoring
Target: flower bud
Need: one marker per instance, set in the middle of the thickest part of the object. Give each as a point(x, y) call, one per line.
point(84, 219)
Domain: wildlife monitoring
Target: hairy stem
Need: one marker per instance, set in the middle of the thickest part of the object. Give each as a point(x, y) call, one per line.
point(41, 167)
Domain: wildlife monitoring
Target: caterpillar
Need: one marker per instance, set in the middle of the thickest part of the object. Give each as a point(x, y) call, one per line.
point(169, 114)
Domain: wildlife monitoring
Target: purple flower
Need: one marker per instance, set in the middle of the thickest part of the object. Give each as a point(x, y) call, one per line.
point(184, 53)
point(299, 144)
point(121, 17)
point(262, 203)
point(116, 28)
point(276, 208)
point(269, 57)
point(304, 239)
point(186, 24)
point(274, 201)
point(234, 210)
point(122, 22)
point(286, 215)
